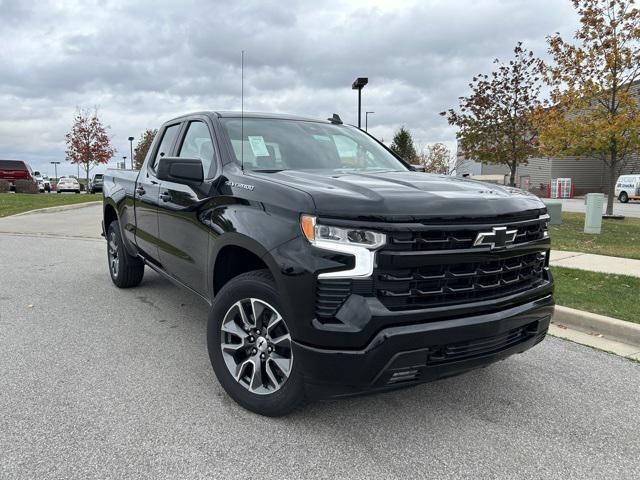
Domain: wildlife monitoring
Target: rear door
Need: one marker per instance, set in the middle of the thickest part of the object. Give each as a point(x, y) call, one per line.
point(185, 239)
point(146, 194)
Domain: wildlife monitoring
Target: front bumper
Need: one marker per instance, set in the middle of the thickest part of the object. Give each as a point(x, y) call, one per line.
point(416, 353)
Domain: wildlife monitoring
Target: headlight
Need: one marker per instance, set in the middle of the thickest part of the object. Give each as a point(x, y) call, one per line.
point(321, 234)
point(351, 241)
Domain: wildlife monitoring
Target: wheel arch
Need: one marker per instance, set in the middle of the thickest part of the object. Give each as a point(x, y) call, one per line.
point(233, 254)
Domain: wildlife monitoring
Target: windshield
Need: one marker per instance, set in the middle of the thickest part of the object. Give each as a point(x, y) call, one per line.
point(274, 144)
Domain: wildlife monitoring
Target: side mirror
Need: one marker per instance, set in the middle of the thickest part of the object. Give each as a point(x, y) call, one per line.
point(180, 170)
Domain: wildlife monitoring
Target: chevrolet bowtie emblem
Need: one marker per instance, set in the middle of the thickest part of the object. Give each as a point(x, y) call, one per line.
point(498, 237)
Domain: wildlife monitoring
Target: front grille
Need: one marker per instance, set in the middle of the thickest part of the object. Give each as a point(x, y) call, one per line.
point(429, 265)
point(448, 284)
point(460, 237)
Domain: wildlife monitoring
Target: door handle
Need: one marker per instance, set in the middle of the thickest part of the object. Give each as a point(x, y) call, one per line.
point(165, 196)
point(140, 191)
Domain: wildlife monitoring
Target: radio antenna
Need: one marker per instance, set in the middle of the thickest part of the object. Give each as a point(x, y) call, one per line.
point(242, 111)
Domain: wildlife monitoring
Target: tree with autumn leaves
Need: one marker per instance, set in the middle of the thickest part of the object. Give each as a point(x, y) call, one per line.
point(142, 147)
point(88, 143)
point(593, 108)
point(437, 158)
point(495, 121)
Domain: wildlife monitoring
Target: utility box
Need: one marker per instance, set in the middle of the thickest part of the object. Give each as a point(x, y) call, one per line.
point(593, 215)
point(554, 209)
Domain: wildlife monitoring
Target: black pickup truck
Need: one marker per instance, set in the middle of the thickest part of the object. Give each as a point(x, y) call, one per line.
point(330, 267)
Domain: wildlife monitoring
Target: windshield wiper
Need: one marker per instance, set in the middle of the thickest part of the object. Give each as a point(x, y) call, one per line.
point(269, 170)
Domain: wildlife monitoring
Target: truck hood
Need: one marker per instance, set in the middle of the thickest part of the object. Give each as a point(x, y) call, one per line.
point(410, 195)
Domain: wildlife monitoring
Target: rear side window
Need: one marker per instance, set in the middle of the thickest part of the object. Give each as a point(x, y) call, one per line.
point(168, 138)
point(197, 143)
point(12, 165)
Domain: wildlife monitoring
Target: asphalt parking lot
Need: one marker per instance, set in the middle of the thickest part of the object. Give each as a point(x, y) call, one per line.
point(97, 382)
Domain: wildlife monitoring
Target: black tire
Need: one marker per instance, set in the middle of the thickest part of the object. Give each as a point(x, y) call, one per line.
point(77, 191)
point(623, 197)
point(290, 394)
point(125, 271)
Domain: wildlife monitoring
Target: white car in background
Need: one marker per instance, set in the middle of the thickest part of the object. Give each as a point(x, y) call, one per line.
point(68, 184)
point(44, 184)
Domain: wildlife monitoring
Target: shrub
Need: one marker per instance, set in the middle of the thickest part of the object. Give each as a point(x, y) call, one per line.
point(4, 186)
point(26, 186)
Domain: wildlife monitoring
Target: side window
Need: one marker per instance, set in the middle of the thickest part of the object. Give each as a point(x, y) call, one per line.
point(168, 137)
point(197, 143)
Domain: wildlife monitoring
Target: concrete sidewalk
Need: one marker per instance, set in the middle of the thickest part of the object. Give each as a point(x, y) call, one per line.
point(595, 263)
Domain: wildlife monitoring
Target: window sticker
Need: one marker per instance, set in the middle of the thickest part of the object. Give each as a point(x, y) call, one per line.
point(258, 146)
point(346, 147)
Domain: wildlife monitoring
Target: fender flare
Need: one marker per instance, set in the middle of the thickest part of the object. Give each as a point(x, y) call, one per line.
point(110, 202)
point(235, 239)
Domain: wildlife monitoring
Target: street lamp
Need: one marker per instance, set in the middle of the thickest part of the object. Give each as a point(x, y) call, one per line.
point(366, 120)
point(124, 162)
point(358, 84)
point(131, 150)
point(55, 168)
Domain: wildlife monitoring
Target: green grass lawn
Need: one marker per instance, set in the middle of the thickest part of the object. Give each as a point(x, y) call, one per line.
point(619, 238)
point(12, 203)
point(611, 295)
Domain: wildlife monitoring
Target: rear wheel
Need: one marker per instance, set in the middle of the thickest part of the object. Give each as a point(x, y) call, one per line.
point(623, 197)
point(126, 271)
point(250, 346)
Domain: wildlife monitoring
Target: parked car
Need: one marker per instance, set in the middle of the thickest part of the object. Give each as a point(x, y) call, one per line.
point(12, 170)
point(44, 185)
point(95, 185)
point(67, 184)
point(331, 267)
point(628, 188)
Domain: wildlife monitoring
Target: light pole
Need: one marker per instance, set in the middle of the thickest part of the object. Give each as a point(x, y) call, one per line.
point(366, 120)
point(55, 169)
point(124, 162)
point(358, 84)
point(131, 150)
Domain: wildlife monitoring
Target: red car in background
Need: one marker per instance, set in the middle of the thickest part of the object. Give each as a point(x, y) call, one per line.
point(12, 170)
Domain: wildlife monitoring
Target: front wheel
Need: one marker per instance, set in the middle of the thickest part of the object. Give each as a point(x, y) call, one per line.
point(623, 197)
point(126, 271)
point(250, 346)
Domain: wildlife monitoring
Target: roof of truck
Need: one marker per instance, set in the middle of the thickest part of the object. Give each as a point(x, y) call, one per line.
point(235, 114)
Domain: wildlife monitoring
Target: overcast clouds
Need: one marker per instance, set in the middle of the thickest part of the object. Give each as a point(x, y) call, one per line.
point(144, 62)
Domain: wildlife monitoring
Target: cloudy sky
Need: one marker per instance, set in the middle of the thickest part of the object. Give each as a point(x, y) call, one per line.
point(143, 62)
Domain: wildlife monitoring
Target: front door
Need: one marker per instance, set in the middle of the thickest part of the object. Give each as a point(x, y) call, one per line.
point(184, 251)
point(146, 196)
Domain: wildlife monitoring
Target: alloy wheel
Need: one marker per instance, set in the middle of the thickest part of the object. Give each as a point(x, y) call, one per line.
point(256, 346)
point(114, 261)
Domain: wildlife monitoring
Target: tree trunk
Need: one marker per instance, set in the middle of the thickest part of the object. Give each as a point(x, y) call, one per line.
point(513, 167)
point(611, 188)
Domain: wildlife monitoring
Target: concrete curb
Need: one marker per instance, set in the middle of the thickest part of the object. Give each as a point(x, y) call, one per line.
point(58, 208)
point(625, 332)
